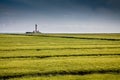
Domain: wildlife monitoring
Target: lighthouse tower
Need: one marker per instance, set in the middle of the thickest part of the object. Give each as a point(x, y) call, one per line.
point(35, 28)
point(36, 31)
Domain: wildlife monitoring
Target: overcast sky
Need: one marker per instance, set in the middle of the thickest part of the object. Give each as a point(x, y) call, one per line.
point(67, 16)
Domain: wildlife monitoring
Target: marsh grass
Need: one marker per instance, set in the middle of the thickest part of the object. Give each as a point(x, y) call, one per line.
point(60, 56)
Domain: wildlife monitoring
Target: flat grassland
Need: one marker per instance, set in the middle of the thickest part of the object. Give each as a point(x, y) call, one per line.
point(59, 57)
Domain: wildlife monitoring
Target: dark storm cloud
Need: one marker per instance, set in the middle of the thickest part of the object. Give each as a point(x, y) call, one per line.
point(56, 6)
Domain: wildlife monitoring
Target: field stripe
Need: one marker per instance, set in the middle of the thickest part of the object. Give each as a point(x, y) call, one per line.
point(54, 73)
point(71, 37)
point(48, 56)
point(38, 49)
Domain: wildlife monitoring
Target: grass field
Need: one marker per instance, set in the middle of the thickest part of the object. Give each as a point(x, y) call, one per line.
point(60, 57)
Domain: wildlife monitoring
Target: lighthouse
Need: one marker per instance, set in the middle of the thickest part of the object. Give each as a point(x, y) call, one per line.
point(36, 31)
point(36, 28)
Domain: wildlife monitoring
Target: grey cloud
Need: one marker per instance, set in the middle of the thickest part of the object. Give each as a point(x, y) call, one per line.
point(60, 15)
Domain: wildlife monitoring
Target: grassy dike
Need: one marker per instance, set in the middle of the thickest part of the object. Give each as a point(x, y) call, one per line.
point(60, 57)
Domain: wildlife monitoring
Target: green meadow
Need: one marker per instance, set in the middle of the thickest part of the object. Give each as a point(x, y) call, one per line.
point(59, 56)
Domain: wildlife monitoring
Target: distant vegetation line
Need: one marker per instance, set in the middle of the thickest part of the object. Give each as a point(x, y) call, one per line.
point(39, 49)
point(49, 56)
point(79, 37)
